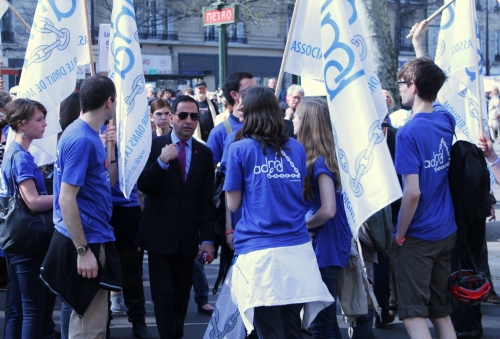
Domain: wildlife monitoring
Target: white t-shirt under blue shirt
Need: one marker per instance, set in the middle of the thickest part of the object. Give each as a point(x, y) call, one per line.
point(82, 161)
point(423, 147)
point(273, 207)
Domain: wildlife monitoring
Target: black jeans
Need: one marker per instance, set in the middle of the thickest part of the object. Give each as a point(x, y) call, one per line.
point(381, 283)
point(278, 322)
point(125, 221)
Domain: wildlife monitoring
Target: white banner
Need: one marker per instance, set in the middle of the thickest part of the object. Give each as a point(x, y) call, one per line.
point(369, 180)
point(49, 70)
point(103, 47)
point(226, 322)
point(455, 55)
point(132, 114)
point(4, 6)
point(305, 56)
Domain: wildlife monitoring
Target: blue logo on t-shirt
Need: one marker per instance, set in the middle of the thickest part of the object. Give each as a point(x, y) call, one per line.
point(439, 160)
point(274, 168)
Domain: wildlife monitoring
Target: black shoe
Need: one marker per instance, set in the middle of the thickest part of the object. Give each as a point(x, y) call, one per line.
point(204, 311)
point(141, 331)
point(469, 334)
point(389, 319)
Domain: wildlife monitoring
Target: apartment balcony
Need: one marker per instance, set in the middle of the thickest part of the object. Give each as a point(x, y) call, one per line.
point(158, 35)
point(239, 39)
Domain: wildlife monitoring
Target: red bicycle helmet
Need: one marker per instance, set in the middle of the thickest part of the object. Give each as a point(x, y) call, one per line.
point(469, 286)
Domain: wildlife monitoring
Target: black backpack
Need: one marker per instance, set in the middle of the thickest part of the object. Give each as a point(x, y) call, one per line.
point(469, 180)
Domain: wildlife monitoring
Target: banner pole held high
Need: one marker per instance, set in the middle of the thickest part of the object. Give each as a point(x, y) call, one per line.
point(287, 48)
point(89, 38)
point(19, 16)
point(434, 15)
point(476, 66)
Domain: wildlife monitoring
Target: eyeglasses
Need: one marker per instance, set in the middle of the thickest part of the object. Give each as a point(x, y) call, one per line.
point(404, 82)
point(184, 115)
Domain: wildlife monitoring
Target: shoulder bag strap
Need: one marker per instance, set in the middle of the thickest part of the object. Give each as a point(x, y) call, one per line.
point(228, 127)
point(12, 183)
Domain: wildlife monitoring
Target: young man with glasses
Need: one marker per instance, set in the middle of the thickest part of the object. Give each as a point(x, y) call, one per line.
point(177, 184)
point(426, 229)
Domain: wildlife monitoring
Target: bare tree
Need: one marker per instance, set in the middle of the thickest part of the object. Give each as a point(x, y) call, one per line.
point(375, 21)
point(257, 12)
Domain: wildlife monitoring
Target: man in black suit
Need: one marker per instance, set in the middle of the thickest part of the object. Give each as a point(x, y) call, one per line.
point(178, 212)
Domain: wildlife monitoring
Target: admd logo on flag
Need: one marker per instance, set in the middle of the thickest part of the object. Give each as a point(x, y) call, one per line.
point(328, 44)
point(132, 113)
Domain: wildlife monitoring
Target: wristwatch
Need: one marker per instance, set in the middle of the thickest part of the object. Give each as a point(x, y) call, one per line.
point(81, 250)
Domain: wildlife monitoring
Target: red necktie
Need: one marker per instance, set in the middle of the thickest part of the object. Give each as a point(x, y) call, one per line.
point(182, 159)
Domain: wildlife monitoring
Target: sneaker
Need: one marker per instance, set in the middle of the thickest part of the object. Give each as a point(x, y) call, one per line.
point(117, 304)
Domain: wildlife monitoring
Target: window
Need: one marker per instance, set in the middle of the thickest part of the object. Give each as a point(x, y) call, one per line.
point(6, 27)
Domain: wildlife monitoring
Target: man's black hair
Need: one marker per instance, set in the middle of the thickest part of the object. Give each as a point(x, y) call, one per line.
point(95, 91)
point(184, 98)
point(232, 83)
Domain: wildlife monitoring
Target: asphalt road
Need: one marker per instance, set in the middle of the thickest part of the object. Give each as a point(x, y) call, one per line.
point(196, 323)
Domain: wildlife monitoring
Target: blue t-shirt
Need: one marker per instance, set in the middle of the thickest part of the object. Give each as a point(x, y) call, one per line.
point(117, 196)
point(119, 199)
point(332, 243)
point(273, 208)
point(81, 161)
point(423, 147)
point(23, 168)
point(235, 216)
point(217, 138)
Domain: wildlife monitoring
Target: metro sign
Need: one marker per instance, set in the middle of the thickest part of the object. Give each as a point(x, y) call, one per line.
point(224, 15)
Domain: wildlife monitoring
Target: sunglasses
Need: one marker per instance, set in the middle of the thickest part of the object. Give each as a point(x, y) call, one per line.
point(184, 115)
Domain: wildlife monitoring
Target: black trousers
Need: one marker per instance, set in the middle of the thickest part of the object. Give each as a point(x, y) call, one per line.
point(125, 221)
point(468, 317)
point(171, 278)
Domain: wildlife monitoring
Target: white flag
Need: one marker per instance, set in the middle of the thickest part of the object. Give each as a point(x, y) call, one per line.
point(305, 56)
point(226, 322)
point(4, 6)
point(49, 70)
point(132, 114)
point(369, 180)
point(455, 54)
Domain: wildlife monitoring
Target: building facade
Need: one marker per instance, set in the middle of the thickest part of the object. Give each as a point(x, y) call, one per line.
point(177, 50)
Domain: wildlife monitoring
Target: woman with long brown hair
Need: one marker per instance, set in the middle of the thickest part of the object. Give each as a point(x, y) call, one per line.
point(275, 275)
point(326, 216)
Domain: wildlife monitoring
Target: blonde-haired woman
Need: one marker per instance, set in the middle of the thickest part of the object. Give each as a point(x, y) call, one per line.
point(323, 196)
point(493, 113)
point(389, 100)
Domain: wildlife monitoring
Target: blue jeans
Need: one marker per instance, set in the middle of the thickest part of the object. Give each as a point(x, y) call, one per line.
point(27, 297)
point(200, 284)
point(325, 325)
point(65, 317)
point(364, 326)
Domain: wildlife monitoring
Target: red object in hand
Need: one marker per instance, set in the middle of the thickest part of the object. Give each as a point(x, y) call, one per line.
point(205, 258)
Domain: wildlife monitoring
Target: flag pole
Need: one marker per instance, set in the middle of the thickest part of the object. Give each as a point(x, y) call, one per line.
point(287, 47)
point(476, 67)
point(19, 16)
point(434, 15)
point(89, 38)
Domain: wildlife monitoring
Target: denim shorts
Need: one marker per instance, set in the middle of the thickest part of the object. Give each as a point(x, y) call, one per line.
point(422, 274)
